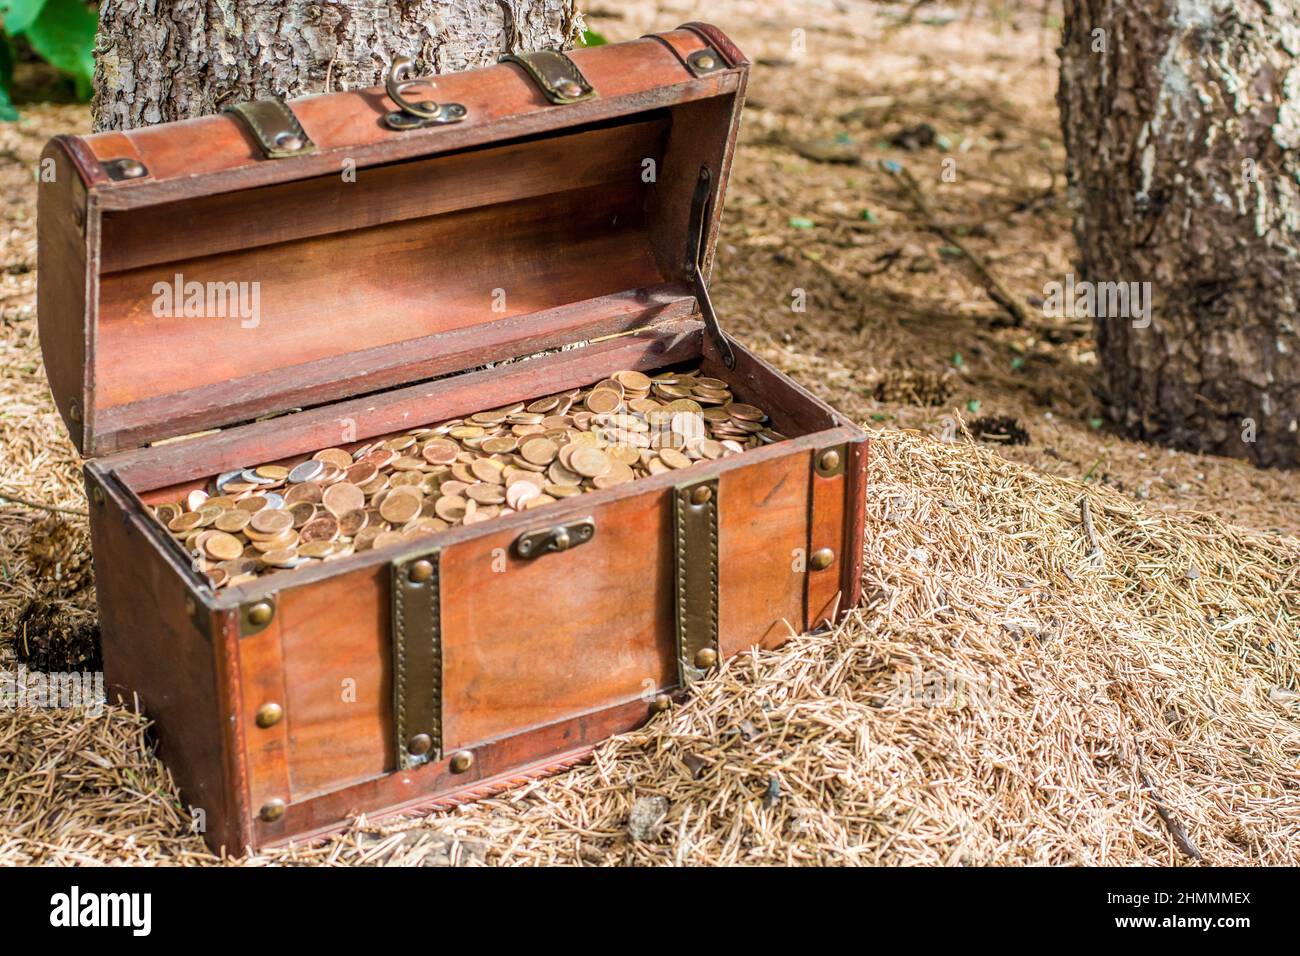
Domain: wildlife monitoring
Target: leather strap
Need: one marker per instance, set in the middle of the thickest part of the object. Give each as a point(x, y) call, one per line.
point(557, 76)
point(275, 128)
point(695, 555)
point(417, 659)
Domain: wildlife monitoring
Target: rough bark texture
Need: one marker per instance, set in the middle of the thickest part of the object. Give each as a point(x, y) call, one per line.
point(1182, 136)
point(162, 60)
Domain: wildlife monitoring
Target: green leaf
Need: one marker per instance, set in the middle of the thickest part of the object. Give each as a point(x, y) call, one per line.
point(957, 360)
point(64, 35)
point(18, 15)
point(7, 112)
point(1017, 364)
point(973, 405)
point(589, 38)
point(801, 222)
point(869, 216)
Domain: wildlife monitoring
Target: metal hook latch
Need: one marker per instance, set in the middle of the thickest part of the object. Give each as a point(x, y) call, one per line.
point(413, 115)
point(696, 249)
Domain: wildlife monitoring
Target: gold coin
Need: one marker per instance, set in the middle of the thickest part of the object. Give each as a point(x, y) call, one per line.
point(281, 557)
point(520, 492)
point(386, 538)
point(746, 413)
point(252, 503)
point(674, 458)
point(589, 462)
point(486, 469)
point(334, 456)
point(485, 494)
point(450, 508)
point(539, 451)
point(602, 400)
point(365, 538)
point(185, 522)
point(286, 539)
point(274, 472)
point(635, 381)
point(399, 507)
point(271, 521)
point(232, 520)
point(343, 497)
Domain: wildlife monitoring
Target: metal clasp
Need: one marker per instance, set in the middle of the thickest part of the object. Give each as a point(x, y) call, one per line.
point(532, 544)
point(413, 115)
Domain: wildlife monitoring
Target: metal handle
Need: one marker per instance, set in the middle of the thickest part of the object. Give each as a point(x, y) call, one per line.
point(413, 115)
point(562, 537)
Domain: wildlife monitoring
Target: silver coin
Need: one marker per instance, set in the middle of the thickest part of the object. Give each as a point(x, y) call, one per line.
point(306, 471)
point(273, 500)
point(226, 477)
point(248, 474)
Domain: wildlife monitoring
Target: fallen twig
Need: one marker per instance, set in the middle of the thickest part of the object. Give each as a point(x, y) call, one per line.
point(15, 499)
point(997, 291)
point(1181, 839)
point(1094, 546)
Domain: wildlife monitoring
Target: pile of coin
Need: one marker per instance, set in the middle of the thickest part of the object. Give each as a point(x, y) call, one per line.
point(273, 517)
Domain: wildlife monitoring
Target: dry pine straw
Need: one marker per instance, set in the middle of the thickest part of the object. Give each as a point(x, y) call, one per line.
point(996, 702)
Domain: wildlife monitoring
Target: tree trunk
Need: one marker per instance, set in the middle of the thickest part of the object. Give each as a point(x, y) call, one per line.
point(162, 60)
point(1182, 121)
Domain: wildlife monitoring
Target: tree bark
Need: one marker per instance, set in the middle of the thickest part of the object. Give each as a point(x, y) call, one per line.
point(163, 60)
point(1182, 123)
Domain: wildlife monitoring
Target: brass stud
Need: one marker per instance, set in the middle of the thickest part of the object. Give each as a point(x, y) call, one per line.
point(701, 495)
point(821, 559)
point(97, 495)
point(260, 614)
point(661, 703)
point(461, 761)
point(570, 88)
point(421, 571)
point(190, 606)
point(289, 142)
point(419, 745)
point(704, 61)
point(272, 810)
point(705, 658)
point(130, 168)
point(74, 412)
point(268, 715)
point(830, 460)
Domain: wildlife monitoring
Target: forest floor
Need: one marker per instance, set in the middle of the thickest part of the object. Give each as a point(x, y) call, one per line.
point(1012, 692)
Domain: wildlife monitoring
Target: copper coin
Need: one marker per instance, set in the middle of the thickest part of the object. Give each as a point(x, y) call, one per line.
point(399, 507)
point(334, 456)
point(323, 528)
point(352, 522)
point(343, 497)
point(307, 491)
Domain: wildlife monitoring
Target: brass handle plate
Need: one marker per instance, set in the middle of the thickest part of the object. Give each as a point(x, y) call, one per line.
point(562, 537)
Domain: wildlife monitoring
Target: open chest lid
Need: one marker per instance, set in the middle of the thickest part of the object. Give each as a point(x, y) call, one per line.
point(283, 255)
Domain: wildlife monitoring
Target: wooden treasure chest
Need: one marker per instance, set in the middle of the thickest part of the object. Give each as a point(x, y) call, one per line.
point(418, 462)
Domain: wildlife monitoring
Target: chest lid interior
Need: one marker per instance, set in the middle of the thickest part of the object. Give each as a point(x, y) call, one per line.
point(188, 280)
